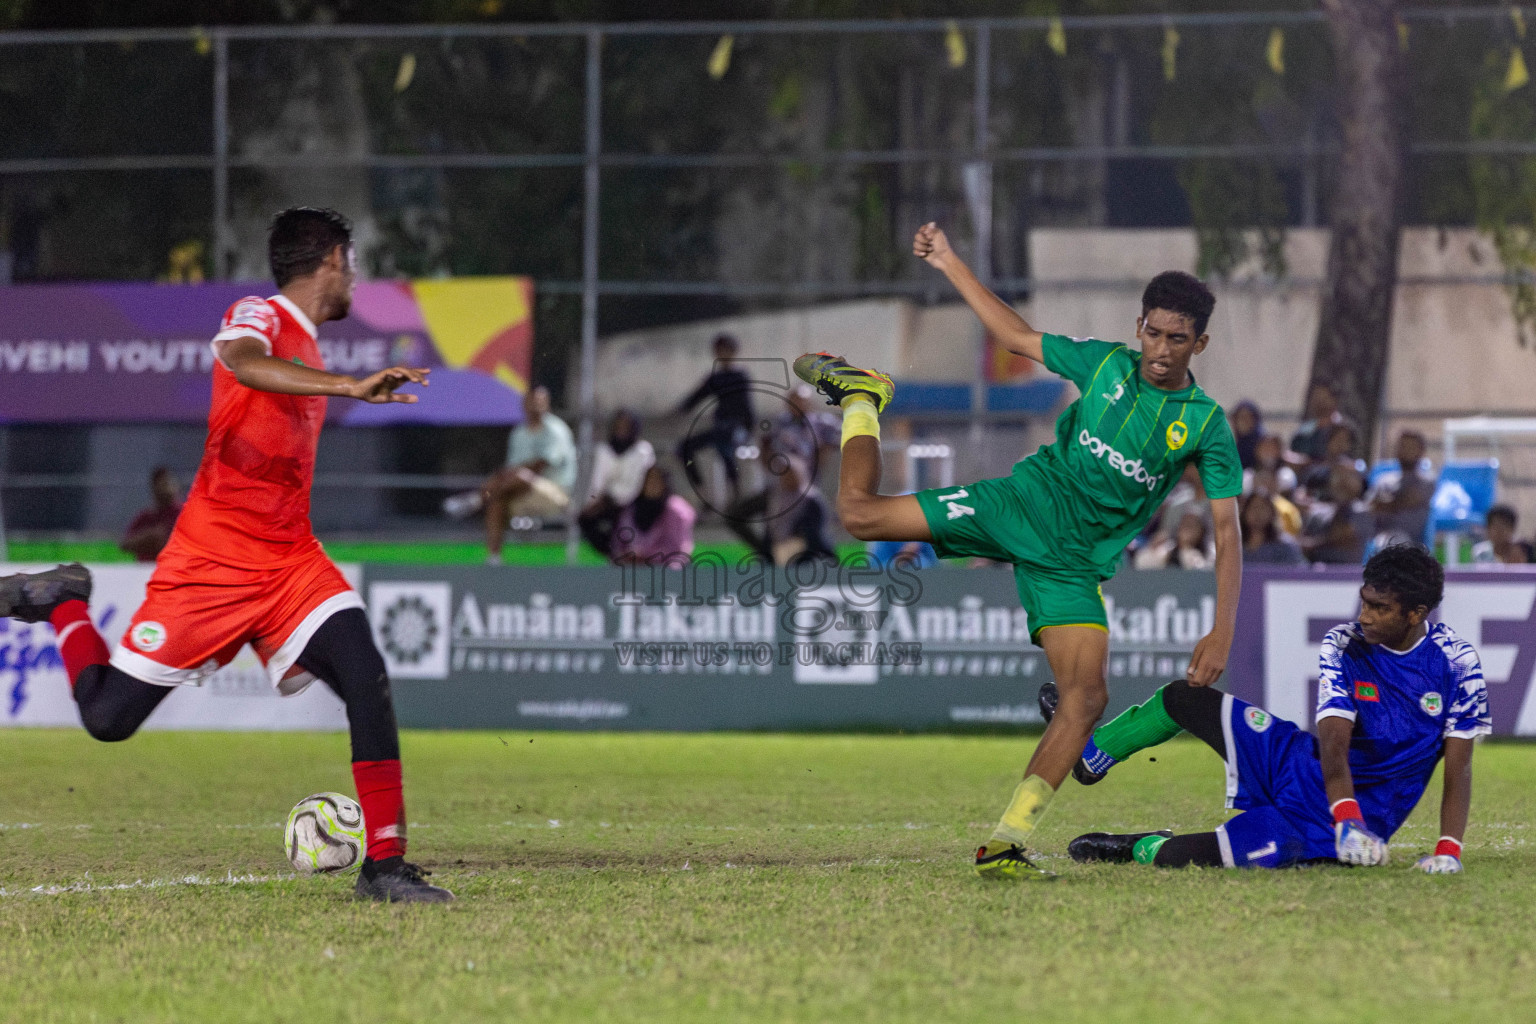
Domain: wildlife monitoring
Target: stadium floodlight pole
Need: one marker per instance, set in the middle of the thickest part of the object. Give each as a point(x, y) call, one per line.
point(219, 260)
point(589, 272)
point(978, 183)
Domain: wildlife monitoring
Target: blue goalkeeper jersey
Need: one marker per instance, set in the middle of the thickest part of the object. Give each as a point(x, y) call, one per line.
point(1404, 705)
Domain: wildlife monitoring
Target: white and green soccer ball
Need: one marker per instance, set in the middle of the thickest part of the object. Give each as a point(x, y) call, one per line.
point(325, 834)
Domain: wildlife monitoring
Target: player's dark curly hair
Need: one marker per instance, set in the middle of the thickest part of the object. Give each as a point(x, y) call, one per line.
point(301, 238)
point(1409, 573)
point(1179, 292)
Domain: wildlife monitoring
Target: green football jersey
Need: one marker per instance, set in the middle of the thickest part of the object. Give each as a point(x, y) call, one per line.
point(1119, 450)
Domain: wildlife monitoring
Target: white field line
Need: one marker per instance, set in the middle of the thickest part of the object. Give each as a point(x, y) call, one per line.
point(156, 883)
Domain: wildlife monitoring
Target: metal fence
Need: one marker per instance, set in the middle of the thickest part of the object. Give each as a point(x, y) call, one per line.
point(650, 171)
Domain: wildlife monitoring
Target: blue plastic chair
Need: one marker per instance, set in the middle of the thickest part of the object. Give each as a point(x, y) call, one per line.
point(884, 552)
point(1463, 496)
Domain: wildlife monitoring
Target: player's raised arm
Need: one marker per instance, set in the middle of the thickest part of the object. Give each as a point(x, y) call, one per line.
point(247, 359)
point(1455, 808)
point(1001, 320)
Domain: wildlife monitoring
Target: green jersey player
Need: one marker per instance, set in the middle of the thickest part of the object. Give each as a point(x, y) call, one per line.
point(1064, 515)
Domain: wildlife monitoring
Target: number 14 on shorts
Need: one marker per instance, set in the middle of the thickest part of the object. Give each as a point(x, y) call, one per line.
point(952, 499)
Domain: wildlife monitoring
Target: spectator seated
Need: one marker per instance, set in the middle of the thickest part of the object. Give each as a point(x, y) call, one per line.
point(619, 465)
point(657, 527)
point(1500, 546)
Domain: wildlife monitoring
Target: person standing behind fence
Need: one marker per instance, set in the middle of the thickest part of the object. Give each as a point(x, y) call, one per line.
point(732, 422)
point(537, 480)
point(149, 531)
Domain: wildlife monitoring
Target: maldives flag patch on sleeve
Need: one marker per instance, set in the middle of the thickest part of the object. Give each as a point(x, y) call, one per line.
point(1366, 691)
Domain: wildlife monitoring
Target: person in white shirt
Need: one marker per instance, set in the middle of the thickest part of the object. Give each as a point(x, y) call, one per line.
point(619, 465)
point(1187, 548)
point(535, 483)
point(1501, 547)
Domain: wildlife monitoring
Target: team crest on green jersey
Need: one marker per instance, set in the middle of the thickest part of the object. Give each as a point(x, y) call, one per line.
point(1178, 433)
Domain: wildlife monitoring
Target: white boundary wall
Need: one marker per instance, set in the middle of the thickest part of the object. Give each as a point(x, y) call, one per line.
point(1455, 347)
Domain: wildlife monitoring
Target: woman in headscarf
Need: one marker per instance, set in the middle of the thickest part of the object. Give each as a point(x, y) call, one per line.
point(1247, 427)
point(619, 465)
point(657, 527)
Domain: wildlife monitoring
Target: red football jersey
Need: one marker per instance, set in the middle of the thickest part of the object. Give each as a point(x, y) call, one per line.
point(249, 506)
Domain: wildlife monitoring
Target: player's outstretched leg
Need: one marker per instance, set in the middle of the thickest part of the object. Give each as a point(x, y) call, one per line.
point(862, 395)
point(1175, 708)
point(1108, 847)
point(343, 654)
point(33, 596)
point(112, 703)
point(1164, 849)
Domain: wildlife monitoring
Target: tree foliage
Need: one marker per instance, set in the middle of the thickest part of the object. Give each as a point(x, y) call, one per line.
point(1503, 188)
point(785, 96)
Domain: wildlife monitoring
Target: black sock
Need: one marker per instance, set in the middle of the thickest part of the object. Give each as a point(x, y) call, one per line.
point(1197, 849)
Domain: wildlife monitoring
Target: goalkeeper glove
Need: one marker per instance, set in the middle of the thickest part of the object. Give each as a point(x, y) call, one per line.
point(1353, 842)
point(1446, 860)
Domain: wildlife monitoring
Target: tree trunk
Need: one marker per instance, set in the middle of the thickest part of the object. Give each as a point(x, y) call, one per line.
point(293, 100)
point(1355, 326)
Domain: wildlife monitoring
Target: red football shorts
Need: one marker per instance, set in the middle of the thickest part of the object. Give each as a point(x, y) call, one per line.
point(197, 615)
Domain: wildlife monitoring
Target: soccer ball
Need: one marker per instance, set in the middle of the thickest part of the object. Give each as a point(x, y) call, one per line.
point(325, 833)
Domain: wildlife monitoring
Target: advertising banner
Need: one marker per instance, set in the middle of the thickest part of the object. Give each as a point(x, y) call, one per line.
point(1284, 614)
point(136, 353)
point(719, 648)
point(34, 690)
point(604, 648)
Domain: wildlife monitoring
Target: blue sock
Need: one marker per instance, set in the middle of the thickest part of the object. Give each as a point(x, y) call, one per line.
point(1097, 761)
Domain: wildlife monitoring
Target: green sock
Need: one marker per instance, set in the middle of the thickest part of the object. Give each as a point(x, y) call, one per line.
point(1145, 850)
point(1136, 728)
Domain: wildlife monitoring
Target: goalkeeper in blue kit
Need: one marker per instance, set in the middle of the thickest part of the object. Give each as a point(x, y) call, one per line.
point(1396, 694)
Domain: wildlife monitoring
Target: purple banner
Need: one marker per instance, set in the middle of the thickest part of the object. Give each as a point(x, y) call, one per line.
point(1284, 614)
point(136, 353)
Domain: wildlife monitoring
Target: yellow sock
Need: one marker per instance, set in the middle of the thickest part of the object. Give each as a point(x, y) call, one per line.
point(1030, 800)
point(860, 418)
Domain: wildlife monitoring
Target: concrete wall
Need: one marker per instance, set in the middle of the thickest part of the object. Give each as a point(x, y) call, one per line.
point(651, 371)
point(1455, 346)
point(1261, 336)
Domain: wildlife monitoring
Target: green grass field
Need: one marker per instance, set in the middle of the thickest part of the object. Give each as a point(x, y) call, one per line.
point(715, 878)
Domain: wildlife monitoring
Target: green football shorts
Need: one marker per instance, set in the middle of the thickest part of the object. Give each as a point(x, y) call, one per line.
point(986, 520)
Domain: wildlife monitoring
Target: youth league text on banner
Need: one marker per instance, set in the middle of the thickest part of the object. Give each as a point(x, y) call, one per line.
point(1284, 614)
point(138, 353)
point(601, 648)
point(34, 690)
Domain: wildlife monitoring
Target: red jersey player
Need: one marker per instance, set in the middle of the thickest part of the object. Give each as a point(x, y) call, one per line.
point(243, 565)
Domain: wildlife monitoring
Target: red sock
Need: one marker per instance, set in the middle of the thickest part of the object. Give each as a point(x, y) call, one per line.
point(378, 790)
point(79, 644)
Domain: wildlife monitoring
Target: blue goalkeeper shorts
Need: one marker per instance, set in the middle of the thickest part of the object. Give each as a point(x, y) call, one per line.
point(1276, 780)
